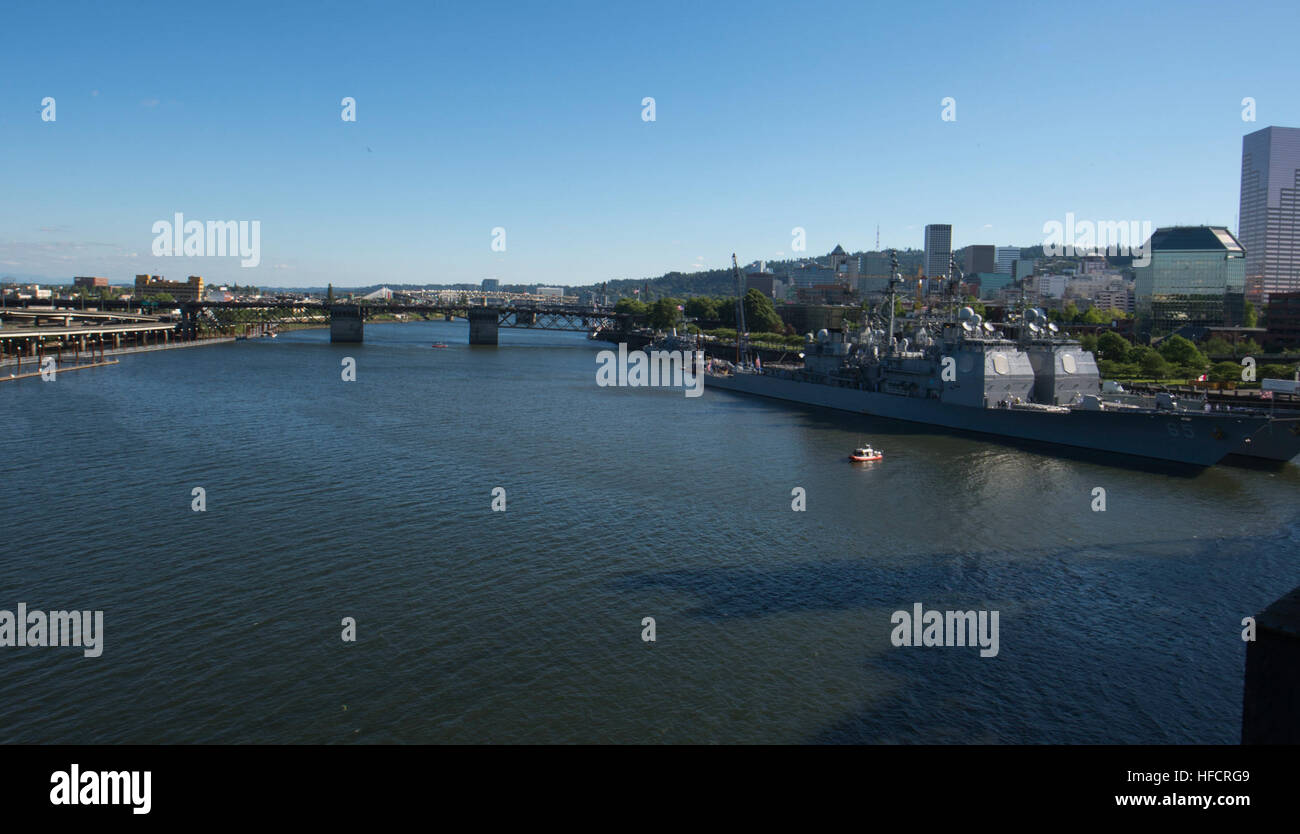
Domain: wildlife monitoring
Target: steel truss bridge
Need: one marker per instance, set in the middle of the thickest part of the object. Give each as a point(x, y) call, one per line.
point(346, 319)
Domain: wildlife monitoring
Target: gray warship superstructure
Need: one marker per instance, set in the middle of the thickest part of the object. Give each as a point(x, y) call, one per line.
point(960, 372)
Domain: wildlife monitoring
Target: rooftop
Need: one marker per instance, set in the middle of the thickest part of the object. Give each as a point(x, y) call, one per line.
point(1194, 238)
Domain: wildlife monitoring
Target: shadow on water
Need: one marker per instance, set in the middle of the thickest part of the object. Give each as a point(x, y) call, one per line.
point(743, 591)
point(1069, 669)
point(830, 419)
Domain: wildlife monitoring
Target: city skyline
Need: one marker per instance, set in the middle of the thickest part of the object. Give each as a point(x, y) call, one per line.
point(546, 138)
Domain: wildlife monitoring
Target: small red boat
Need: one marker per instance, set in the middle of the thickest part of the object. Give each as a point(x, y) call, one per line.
point(862, 454)
point(439, 344)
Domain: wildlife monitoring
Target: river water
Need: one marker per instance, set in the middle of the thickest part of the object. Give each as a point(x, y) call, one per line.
point(372, 499)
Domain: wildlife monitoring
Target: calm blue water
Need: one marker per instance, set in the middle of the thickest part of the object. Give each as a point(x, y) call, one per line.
point(371, 500)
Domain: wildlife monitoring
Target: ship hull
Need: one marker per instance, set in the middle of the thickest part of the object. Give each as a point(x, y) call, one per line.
point(1277, 441)
point(1190, 438)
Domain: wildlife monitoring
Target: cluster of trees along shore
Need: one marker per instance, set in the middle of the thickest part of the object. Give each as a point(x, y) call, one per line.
point(1175, 358)
point(716, 316)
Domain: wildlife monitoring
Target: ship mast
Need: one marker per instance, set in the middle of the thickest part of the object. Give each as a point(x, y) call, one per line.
point(741, 352)
point(894, 280)
point(954, 282)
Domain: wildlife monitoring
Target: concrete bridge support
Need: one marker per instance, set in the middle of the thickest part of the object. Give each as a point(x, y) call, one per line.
point(482, 326)
point(1271, 709)
point(346, 324)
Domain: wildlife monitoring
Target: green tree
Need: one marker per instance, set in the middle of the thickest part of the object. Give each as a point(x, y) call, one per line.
point(760, 315)
point(630, 305)
point(1218, 346)
point(1154, 365)
point(1088, 342)
point(726, 308)
point(1225, 372)
point(664, 313)
point(1095, 316)
point(1179, 351)
point(1273, 372)
point(1249, 316)
point(1114, 347)
point(702, 307)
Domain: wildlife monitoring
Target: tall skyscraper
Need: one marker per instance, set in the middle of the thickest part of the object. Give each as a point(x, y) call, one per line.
point(938, 250)
point(1269, 227)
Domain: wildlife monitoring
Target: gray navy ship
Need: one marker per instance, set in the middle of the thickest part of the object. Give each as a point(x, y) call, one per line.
point(960, 372)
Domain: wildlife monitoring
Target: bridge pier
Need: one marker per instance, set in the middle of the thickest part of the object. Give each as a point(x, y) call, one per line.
point(482, 325)
point(346, 324)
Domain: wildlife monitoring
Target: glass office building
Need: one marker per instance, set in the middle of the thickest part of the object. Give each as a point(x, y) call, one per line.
point(1197, 276)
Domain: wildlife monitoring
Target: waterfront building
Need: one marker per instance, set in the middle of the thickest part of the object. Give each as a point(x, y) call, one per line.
point(938, 250)
point(188, 290)
point(1269, 227)
point(90, 283)
point(1197, 276)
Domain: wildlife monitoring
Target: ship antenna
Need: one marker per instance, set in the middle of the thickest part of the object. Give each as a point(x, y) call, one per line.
point(954, 281)
point(894, 280)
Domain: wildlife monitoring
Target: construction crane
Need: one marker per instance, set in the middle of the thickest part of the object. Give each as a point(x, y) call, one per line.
point(741, 349)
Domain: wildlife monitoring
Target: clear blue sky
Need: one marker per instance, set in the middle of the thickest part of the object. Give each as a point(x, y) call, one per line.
point(528, 116)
